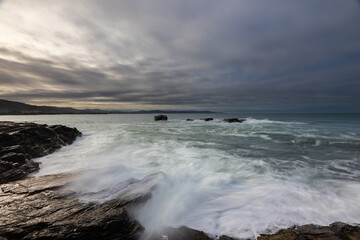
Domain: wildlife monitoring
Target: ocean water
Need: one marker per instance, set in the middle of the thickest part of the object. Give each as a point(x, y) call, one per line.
point(270, 172)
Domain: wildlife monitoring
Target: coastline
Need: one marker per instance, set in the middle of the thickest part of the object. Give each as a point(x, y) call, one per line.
point(38, 207)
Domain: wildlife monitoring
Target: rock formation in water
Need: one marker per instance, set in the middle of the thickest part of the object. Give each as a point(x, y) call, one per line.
point(160, 118)
point(20, 142)
point(234, 120)
point(207, 119)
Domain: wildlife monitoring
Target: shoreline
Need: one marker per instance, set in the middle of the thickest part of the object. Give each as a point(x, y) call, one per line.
point(32, 208)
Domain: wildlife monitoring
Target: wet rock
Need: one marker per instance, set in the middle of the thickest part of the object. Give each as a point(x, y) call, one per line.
point(160, 118)
point(227, 238)
point(335, 231)
point(234, 120)
point(14, 158)
point(207, 119)
point(189, 119)
point(19, 142)
point(40, 208)
point(181, 233)
point(184, 233)
point(5, 166)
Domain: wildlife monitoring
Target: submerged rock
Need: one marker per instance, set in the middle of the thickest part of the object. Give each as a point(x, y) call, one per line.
point(234, 120)
point(181, 233)
point(19, 142)
point(207, 119)
point(160, 118)
point(335, 231)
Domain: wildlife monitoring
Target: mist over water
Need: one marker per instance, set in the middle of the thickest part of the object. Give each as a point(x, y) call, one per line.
point(270, 172)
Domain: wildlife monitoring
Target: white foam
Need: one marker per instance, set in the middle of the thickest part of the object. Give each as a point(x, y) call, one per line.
point(216, 190)
point(250, 120)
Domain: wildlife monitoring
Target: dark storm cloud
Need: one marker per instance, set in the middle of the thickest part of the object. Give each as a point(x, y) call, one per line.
point(231, 55)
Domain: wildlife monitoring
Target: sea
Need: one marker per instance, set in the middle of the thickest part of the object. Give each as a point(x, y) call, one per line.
point(240, 179)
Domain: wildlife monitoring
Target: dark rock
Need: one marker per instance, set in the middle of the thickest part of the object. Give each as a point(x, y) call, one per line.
point(39, 208)
point(335, 231)
point(14, 158)
point(184, 233)
point(22, 141)
point(189, 119)
point(207, 119)
point(160, 118)
point(12, 149)
point(66, 134)
point(5, 166)
point(181, 233)
point(234, 120)
point(227, 238)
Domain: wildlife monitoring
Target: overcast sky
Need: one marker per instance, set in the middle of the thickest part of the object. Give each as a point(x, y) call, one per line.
point(223, 55)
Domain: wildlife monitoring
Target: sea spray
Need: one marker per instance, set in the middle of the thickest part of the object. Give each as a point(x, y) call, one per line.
point(266, 173)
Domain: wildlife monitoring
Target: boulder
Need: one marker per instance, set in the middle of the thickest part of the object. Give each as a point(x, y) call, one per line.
point(207, 119)
point(160, 118)
point(234, 120)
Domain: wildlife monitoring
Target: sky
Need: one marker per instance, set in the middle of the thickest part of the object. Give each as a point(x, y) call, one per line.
point(219, 55)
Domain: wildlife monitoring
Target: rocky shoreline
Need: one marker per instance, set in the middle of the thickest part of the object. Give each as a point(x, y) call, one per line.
point(20, 142)
point(42, 208)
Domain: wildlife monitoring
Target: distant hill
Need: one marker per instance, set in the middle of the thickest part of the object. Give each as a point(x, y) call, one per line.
point(18, 108)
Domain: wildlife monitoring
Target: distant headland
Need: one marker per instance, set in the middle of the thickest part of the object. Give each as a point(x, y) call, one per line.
point(18, 108)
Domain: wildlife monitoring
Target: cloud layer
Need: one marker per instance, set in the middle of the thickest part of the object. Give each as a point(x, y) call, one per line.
point(219, 55)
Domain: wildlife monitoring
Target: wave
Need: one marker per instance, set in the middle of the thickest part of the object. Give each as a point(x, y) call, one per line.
point(236, 179)
point(250, 120)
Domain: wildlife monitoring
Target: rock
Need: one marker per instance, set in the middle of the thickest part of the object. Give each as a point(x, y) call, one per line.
point(160, 118)
point(189, 119)
point(207, 119)
point(5, 166)
point(22, 141)
point(335, 231)
point(14, 158)
point(234, 120)
point(40, 208)
point(227, 238)
point(181, 233)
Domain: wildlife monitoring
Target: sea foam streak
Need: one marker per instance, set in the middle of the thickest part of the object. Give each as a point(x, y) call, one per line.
point(235, 179)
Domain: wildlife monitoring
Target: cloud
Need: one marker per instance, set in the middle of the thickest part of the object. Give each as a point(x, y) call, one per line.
point(230, 55)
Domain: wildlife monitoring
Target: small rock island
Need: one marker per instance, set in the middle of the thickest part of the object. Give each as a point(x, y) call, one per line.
point(160, 118)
